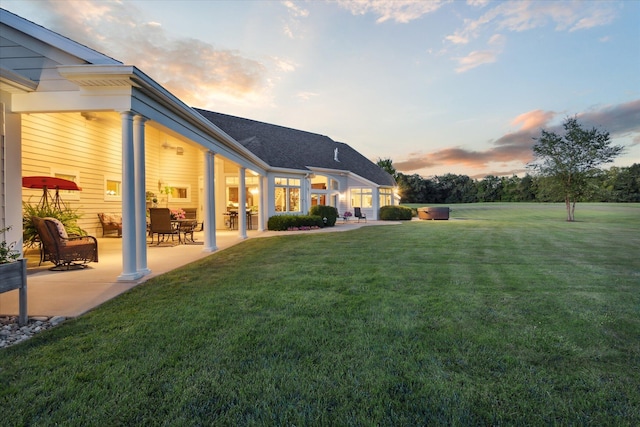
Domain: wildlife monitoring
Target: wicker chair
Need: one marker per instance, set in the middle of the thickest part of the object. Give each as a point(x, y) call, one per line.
point(63, 251)
point(111, 223)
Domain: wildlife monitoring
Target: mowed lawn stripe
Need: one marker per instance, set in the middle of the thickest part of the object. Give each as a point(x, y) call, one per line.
point(505, 314)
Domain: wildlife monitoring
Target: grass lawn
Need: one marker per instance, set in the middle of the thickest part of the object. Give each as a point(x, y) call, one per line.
point(504, 315)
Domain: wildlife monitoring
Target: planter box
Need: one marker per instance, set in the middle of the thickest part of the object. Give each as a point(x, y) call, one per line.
point(13, 275)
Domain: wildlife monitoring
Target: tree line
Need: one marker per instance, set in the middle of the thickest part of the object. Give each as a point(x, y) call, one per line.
point(567, 169)
point(617, 184)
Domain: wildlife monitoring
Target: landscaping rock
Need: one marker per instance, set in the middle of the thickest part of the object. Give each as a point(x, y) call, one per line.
point(11, 333)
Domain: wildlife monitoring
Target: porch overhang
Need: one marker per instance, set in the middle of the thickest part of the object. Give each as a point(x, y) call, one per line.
point(119, 88)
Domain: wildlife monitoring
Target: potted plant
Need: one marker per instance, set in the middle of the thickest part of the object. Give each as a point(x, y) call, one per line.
point(13, 274)
point(152, 199)
point(67, 216)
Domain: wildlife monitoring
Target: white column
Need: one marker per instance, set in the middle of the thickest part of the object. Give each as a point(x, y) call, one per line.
point(140, 194)
point(262, 206)
point(11, 175)
point(242, 202)
point(209, 202)
point(129, 270)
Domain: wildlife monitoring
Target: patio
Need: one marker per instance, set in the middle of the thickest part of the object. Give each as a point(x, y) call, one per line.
point(72, 293)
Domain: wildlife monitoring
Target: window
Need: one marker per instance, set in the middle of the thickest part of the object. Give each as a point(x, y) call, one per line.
point(287, 194)
point(319, 182)
point(70, 176)
point(385, 196)
point(180, 193)
point(361, 198)
point(112, 189)
point(251, 183)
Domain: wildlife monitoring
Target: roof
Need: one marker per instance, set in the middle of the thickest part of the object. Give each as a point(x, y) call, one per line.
point(288, 148)
point(54, 39)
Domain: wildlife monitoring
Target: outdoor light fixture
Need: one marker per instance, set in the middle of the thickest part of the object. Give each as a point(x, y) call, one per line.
point(89, 116)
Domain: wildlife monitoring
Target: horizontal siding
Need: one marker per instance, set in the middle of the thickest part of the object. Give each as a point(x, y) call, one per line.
point(93, 148)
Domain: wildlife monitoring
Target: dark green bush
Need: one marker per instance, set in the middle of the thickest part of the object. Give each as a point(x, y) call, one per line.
point(394, 213)
point(323, 211)
point(286, 222)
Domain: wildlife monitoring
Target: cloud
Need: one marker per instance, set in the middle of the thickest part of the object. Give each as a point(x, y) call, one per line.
point(518, 16)
point(526, 15)
point(475, 59)
point(400, 11)
point(619, 120)
point(293, 25)
point(295, 10)
point(305, 96)
point(195, 71)
point(515, 148)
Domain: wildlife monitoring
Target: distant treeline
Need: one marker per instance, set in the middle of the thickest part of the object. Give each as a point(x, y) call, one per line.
point(617, 184)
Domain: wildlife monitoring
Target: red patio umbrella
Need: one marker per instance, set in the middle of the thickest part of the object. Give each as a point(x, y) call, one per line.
point(49, 182)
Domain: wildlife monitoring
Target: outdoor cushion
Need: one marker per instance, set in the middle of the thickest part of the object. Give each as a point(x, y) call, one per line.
point(61, 230)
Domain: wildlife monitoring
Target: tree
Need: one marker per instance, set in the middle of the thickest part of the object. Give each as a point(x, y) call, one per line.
point(571, 159)
point(387, 166)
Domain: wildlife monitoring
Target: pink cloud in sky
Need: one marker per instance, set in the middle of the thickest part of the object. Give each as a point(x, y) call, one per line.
point(204, 71)
point(622, 120)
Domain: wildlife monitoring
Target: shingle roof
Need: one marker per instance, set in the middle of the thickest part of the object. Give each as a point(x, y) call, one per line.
point(284, 147)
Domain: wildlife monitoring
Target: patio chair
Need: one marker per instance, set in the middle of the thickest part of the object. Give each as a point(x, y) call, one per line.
point(186, 227)
point(357, 212)
point(160, 223)
point(190, 213)
point(64, 251)
point(110, 223)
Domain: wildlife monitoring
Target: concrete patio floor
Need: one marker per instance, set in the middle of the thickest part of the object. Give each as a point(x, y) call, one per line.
point(72, 293)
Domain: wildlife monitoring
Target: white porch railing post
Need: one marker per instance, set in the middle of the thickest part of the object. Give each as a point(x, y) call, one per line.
point(242, 203)
point(129, 271)
point(209, 202)
point(140, 194)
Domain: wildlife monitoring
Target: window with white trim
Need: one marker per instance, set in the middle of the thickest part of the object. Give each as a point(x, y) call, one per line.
point(287, 194)
point(180, 193)
point(112, 189)
point(361, 198)
point(386, 195)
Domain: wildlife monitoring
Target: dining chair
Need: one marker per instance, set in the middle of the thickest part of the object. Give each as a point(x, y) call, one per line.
point(160, 223)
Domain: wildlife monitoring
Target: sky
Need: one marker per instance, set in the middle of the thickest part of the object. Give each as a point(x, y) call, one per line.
point(438, 87)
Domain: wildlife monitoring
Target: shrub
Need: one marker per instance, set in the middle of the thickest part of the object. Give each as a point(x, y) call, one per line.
point(285, 222)
point(394, 213)
point(67, 216)
point(323, 211)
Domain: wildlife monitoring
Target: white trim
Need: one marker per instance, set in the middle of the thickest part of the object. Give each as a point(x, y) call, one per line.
point(54, 39)
point(68, 194)
point(115, 197)
point(180, 199)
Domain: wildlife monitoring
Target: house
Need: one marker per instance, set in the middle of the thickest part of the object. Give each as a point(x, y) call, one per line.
point(328, 172)
point(68, 111)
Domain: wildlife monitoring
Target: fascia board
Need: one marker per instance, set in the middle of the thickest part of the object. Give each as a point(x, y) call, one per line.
point(288, 171)
point(15, 83)
point(363, 180)
point(329, 171)
point(54, 39)
point(93, 78)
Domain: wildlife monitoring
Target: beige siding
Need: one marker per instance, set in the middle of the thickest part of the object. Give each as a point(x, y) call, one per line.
point(69, 142)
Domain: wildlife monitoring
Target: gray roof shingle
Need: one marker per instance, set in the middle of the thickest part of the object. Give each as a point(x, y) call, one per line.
point(284, 147)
